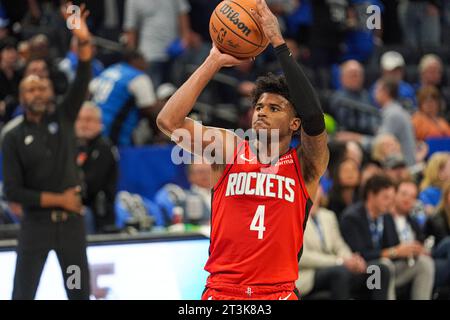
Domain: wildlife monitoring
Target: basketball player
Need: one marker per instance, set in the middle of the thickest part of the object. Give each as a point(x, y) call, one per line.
point(259, 211)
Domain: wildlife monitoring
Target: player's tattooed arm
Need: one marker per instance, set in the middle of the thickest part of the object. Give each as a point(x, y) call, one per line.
point(314, 156)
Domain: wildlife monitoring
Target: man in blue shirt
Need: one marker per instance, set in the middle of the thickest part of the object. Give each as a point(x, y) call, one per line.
point(124, 92)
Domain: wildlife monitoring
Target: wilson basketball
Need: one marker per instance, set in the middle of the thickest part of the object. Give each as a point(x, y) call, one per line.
point(234, 30)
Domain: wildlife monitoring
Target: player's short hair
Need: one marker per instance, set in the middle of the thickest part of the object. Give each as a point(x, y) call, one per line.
point(376, 184)
point(272, 83)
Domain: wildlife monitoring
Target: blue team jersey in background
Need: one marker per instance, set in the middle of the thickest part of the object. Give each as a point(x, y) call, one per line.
point(120, 113)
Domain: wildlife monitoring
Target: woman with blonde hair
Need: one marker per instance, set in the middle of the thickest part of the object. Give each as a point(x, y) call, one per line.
point(437, 172)
point(438, 226)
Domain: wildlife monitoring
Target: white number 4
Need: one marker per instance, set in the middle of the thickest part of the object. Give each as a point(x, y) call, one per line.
point(258, 222)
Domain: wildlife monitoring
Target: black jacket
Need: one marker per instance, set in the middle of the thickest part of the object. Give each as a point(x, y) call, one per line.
point(438, 226)
point(356, 232)
point(98, 160)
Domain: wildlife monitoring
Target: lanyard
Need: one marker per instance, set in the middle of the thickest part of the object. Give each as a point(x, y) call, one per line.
point(376, 231)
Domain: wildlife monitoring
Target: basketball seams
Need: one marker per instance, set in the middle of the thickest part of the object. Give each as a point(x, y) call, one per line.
point(236, 52)
point(225, 25)
point(251, 17)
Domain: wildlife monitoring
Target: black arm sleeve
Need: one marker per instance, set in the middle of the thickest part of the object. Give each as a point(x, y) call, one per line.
point(76, 95)
point(306, 102)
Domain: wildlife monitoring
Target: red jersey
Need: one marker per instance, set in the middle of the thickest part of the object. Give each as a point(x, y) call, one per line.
point(258, 217)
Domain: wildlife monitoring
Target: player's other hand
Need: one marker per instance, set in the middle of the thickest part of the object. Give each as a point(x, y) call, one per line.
point(223, 59)
point(71, 200)
point(269, 22)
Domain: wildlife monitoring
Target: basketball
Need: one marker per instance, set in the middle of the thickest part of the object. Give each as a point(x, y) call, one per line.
point(234, 30)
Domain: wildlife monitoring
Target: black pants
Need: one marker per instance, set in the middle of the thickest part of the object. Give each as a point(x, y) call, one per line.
point(39, 235)
point(344, 284)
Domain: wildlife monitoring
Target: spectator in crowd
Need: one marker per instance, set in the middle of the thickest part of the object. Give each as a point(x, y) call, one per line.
point(350, 105)
point(369, 230)
point(170, 18)
point(42, 69)
point(43, 26)
point(41, 175)
point(426, 120)
point(395, 168)
point(24, 52)
point(395, 120)
point(360, 40)
point(343, 193)
point(392, 66)
point(124, 92)
point(198, 200)
point(421, 23)
point(9, 79)
point(69, 64)
point(437, 172)
point(385, 145)
point(327, 263)
point(98, 159)
point(370, 169)
point(438, 224)
point(431, 71)
point(409, 231)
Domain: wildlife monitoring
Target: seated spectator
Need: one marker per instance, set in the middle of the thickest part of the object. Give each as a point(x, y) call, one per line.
point(98, 160)
point(343, 193)
point(369, 230)
point(438, 225)
point(437, 172)
point(409, 231)
point(431, 71)
point(393, 66)
point(189, 206)
point(69, 64)
point(426, 120)
point(395, 168)
point(124, 92)
point(383, 146)
point(327, 262)
point(370, 169)
point(351, 104)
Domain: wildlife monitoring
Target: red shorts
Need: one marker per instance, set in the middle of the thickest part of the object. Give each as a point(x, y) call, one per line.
point(224, 292)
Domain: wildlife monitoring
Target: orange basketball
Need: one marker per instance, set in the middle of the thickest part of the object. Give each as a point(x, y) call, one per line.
point(234, 30)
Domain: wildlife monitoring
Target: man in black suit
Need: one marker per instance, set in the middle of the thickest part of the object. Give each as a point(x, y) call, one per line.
point(408, 230)
point(367, 229)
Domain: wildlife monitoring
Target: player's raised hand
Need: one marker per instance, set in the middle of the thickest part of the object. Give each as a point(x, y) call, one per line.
point(268, 21)
point(79, 28)
point(224, 60)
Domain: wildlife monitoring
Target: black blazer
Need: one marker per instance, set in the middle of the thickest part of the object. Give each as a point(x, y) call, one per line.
point(437, 226)
point(356, 232)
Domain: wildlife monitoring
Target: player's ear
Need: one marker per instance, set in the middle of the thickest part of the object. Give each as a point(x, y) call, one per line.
point(295, 124)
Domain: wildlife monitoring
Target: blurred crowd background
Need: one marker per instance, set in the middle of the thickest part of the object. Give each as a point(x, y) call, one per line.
point(385, 92)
